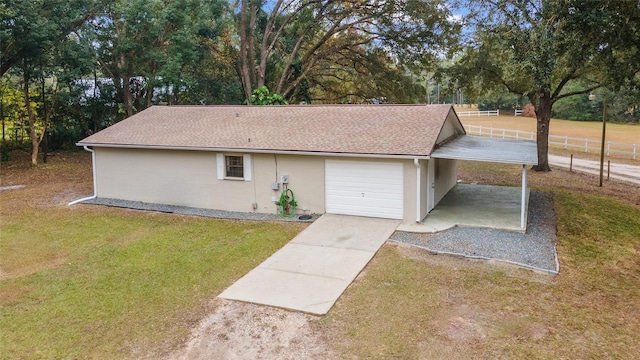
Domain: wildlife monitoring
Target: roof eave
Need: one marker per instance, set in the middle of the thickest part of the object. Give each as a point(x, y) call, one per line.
point(257, 151)
point(480, 159)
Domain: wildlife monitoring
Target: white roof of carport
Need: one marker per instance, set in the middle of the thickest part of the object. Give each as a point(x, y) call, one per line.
point(477, 148)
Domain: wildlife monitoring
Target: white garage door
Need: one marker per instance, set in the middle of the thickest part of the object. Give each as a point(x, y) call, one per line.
point(363, 188)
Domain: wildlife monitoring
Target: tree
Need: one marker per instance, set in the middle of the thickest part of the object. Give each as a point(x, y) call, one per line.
point(212, 78)
point(13, 110)
point(282, 42)
point(626, 105)
point(363, 76)
point(28, 28)
point(30, 33)
point(146, 44)
point(262, 96)
point(537, 48)
point(500, 99)
point(580, 107)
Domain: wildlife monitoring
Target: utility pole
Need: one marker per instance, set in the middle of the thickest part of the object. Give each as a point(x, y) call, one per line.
point(604, 130)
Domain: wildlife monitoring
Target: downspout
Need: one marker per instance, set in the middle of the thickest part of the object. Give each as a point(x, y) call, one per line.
point(95, 185)
point(416, 162)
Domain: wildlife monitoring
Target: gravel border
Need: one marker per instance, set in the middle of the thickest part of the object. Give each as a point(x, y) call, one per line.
point(534, 250)
point(186, 210)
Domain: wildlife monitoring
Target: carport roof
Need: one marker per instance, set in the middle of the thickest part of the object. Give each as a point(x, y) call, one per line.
point(477, 148)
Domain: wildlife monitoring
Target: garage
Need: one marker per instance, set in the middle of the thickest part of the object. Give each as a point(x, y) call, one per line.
point(364, 188)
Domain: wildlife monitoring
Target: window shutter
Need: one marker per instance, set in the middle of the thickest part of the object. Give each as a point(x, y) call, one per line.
point(220, 163)
point(246, 161)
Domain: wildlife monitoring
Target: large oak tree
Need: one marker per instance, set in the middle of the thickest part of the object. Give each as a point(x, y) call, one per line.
point(282, 42)
point(143, 45)
point(535, 48)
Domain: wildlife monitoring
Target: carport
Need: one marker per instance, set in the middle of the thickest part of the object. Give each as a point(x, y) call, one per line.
point(476, 148)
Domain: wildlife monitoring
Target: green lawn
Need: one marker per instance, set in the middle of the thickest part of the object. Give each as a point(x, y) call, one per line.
point(96, 282)
point(87, 283)
point(412, 305)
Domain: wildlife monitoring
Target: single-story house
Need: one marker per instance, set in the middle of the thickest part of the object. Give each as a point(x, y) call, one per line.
point(366, 160)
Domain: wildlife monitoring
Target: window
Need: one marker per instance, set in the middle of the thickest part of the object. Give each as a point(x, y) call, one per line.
point(234, 166)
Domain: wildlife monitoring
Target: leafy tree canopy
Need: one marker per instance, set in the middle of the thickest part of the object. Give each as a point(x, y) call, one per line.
point(535, 48)
point(262, 96)
point(284, 43)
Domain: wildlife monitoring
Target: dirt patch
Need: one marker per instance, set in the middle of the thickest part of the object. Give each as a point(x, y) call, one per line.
point(11, 296)
point(235, 330)
point(66, 176)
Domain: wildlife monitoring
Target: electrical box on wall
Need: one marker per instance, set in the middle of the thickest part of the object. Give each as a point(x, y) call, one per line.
point(275, 185)
point(284, 179)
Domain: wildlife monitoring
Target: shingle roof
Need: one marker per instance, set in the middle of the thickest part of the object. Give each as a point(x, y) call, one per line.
point(357, 129)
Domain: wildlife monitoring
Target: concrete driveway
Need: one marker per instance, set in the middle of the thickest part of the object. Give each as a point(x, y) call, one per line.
point(311, 271)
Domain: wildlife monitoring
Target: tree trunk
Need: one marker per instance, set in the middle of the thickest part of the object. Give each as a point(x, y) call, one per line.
point(543, 118)
point(149, 95)
point(2, 114)
point(44, 138)
point(126, 85)
point(32, 120)
point(245, 70)
point(126, 94)
point(45, 147)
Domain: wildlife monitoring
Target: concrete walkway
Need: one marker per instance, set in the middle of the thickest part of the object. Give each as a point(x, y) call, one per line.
point(311, 272)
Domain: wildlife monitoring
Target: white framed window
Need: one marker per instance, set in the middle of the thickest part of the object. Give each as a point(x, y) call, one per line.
point(234, 167)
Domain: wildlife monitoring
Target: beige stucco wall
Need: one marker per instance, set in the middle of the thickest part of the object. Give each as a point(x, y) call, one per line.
point(410, 183)
point(169, 177)
point(306, 180)
point(189, 178)
point(446, 177)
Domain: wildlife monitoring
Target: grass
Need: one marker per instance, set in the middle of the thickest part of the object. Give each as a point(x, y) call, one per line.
point(412, 305)
point(622, 133)
point(95, 282)
point(92, 282)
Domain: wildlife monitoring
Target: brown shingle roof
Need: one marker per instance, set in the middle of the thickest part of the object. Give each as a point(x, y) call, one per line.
point(357, 129)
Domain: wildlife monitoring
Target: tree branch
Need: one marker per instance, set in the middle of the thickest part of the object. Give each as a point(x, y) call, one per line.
point(588, 90)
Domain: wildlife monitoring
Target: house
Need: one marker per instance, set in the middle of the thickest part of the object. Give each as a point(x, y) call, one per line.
point(366, 160)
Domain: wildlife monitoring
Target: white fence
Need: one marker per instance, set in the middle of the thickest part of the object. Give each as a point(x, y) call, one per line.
point(566, 142)
point(516, 112)
point(479, 113)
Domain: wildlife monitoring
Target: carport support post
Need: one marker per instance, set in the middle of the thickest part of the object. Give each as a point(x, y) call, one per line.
point(524, 195)
point(416, 162)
